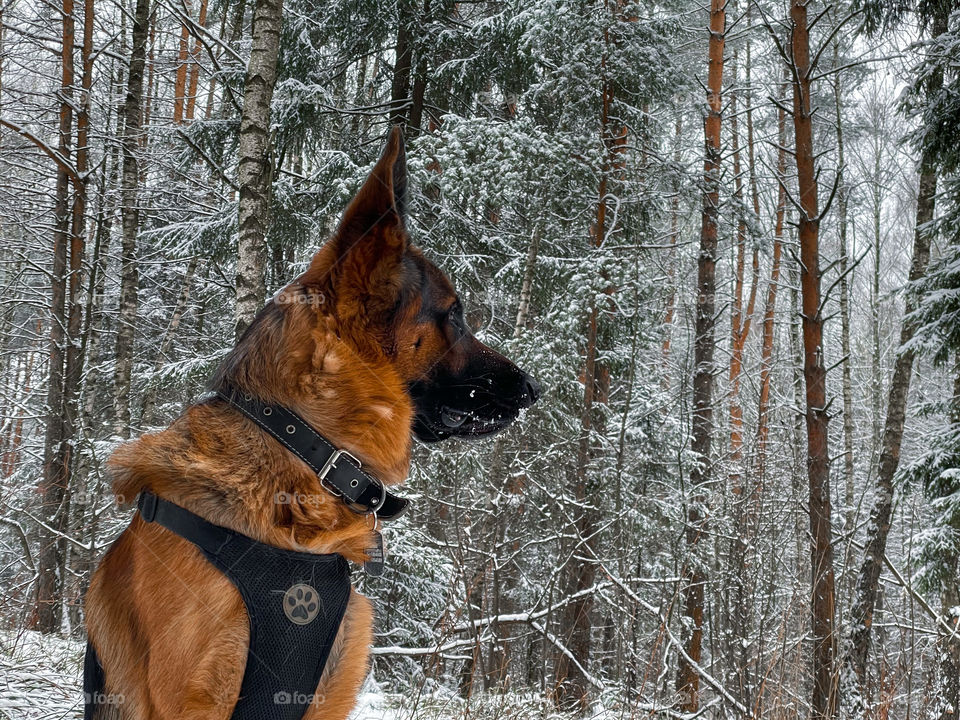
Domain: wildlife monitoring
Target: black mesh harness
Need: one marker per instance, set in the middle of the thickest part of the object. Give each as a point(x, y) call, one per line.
point(295, 601)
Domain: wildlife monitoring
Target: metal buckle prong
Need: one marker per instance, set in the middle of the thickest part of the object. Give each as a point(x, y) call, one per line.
point(331, 462)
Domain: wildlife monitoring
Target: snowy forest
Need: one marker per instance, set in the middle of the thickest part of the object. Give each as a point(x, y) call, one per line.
point(723, 235)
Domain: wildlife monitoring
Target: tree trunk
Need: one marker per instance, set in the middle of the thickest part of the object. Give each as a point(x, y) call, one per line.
point(55, 478)
point(415, 124)
point(255, 165)
point(815, 377)
point(847, 380)
point(672, 259)
point(180, 85)
point(400, 87)
point(76, 343)
point(693, 578)
point(11, 454)
point(741, 317)
point(194, 81)
point(868, 579)
point(107, 207)
point(876, 382)
point(212, 80)
point(770, 308)
point(740, 322)
point(151, 66)
point(359, 95)
point(2, 56)
point(526, 287)
point(130, 219)
point(798, 468)
point(84, 504)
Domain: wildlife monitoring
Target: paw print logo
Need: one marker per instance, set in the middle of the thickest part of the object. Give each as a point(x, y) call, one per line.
point(301, 604)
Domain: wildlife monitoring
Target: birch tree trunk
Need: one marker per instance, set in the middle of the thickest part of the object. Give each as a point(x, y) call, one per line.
point(255, 165)
point(847, 380)
point(693, 577)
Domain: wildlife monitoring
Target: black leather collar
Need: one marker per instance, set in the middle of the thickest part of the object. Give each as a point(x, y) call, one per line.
point(339, 471)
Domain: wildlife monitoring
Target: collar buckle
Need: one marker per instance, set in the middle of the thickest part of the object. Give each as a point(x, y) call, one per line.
point(361, 508)
point(331, 463)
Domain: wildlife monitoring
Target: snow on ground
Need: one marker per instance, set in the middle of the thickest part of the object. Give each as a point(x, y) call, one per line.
point(40, 679)
point(429, 701)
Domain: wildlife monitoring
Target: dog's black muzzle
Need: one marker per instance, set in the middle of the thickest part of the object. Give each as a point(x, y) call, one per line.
point(479, 399)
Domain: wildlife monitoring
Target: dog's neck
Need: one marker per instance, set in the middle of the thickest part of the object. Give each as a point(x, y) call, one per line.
point(359, 406)
point(218, 464)
point(344, 387)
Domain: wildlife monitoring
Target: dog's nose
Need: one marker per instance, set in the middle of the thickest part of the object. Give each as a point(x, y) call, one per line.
point(531, 391)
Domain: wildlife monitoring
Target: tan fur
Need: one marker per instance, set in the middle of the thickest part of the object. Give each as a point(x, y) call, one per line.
point(170, 629)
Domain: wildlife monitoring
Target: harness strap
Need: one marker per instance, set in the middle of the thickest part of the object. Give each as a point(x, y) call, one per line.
point(338, 470)
point(93, 683)
point(295, 602)
point(205, 535)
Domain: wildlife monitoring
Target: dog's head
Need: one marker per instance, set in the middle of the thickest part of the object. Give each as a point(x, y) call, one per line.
point(394, 305)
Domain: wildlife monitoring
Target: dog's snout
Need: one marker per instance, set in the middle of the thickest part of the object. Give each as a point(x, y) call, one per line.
point(530, 391)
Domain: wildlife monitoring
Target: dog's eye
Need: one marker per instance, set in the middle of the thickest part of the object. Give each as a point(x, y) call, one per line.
point(455, 318)
point(416, 345)
point(455, 314)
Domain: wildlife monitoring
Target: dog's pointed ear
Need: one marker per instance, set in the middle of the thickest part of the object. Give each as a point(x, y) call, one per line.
point(371, 238)
point(382, 197)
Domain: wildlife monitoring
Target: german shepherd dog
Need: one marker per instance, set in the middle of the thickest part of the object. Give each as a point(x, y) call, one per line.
point(369, 346)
